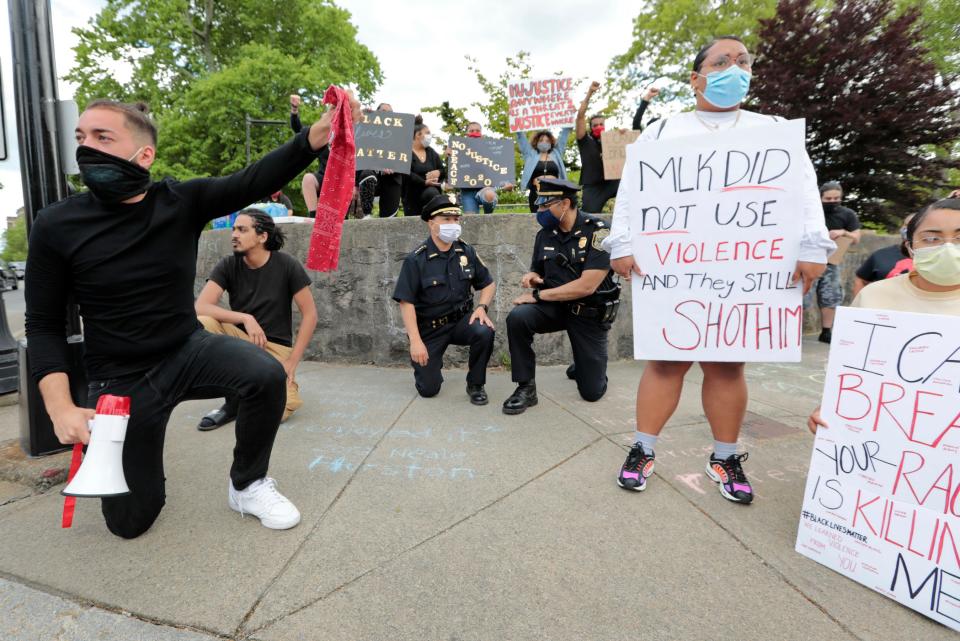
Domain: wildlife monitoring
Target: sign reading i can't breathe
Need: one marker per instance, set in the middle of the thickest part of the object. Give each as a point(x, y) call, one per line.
point(716, 223)
point(541, 104)
point(882, 501)
point(480, 162)
point(384, 140)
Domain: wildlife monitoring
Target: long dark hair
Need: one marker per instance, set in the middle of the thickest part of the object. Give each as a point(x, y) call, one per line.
point(944, 203)
point(263, 223)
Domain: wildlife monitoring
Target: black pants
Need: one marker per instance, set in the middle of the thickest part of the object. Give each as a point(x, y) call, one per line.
point(388, 188)
point(588, 338)
point(477, 335)
point(415, 199)
point(596, 196)
point(532, 200)
point(206, 366)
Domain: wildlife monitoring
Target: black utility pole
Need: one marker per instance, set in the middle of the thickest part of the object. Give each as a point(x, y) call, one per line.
point(35, 97)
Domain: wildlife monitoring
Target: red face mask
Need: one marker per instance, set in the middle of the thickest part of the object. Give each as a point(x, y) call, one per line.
point(597, 130)
point(473, 134)
point(275, 195)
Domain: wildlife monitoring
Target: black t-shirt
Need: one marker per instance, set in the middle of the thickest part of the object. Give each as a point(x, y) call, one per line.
point(415, 183)
point(266, 293)
point(131, 267)
point(885, 263)
point(437, 282)
point(591, 159)
point(561, 257)
point(840, 217)
point(544, 168)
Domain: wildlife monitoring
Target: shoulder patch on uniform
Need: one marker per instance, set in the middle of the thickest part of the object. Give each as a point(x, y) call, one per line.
point(598, 237)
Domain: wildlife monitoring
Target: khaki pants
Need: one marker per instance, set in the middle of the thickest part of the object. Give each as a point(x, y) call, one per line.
point(280, 352)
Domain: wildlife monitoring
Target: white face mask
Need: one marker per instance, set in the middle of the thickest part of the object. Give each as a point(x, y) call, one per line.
point(449, 232)
point(427, 140)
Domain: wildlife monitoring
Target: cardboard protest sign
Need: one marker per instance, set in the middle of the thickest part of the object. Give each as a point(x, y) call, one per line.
point(843, 244)
point(384, 140)
point(541, 104)
point(480, 162)
point(716, 223)
point(614, 143)
point(882, 501)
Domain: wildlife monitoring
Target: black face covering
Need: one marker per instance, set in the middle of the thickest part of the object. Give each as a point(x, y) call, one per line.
point(109, 178)
point(830, 208)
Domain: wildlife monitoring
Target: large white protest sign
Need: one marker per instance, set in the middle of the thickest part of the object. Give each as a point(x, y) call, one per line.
point(541, 104)
point(882, 504)
point(716, 222)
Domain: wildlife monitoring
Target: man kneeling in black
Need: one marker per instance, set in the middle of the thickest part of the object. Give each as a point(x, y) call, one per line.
point(436, 302)
point(573, 289)
point(127, 251)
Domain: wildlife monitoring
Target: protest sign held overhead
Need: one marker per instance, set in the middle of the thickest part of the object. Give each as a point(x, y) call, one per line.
point(384, 140)
point(480, 162)
point(716, 224)
point(882, 501)
point(614, 142)
point(541, 104)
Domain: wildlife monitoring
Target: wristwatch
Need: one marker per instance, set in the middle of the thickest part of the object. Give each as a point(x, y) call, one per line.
point(536, 295)
point(486, 308)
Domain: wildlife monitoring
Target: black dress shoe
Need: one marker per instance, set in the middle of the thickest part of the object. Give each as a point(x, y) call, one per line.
point(523, 397)
point(217, 418)
point(478, 395)
point(572, 372)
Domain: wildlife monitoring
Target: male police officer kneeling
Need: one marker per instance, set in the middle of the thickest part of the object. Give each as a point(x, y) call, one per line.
point(436, 302)
point(573, 289)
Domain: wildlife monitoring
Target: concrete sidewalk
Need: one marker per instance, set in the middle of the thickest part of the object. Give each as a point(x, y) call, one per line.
point(432, 519)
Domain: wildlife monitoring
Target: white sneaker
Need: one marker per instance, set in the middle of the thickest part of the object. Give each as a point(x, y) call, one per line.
point(262, 500)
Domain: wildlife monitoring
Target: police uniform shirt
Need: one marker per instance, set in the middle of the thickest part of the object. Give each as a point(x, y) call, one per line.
point(437, 282)
point(561, 257)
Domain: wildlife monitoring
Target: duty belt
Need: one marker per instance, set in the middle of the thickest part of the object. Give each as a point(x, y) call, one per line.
point(440, 321)
point(605, 312)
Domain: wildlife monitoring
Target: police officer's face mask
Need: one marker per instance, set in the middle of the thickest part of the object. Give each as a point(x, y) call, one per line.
point(449, 232)
point(109, 178)
point(545, 214)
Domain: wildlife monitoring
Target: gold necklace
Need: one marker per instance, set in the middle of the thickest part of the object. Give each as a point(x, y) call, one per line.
point(716, 126)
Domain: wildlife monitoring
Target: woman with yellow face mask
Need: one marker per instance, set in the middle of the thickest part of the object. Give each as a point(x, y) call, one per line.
point(933, 286)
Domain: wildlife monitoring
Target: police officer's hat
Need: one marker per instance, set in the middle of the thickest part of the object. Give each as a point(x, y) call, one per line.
point(441, 204)
point(551, 189)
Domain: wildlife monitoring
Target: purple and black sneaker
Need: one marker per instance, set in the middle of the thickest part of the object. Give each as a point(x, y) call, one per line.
point(636, 469)
point(734, 485)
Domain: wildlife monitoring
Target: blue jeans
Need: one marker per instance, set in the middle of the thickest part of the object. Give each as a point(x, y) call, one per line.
point(472, 201)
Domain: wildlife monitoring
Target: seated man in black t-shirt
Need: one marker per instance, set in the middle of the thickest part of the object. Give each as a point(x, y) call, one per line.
point(886, 262)
point(261, 281)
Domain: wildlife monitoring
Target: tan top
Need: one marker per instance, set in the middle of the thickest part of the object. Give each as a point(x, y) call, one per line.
point(900, 294)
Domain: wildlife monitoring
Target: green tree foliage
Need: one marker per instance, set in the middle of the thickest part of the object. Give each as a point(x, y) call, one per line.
point(15, 239)
point(169, 44)
point(879, 116)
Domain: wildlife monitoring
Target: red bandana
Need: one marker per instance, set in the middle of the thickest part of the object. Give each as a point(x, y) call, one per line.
point(337, 189)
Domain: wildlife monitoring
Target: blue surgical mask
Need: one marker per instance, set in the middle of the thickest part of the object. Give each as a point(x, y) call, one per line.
point(544, 147)
point(547, 220)
point(727, 88)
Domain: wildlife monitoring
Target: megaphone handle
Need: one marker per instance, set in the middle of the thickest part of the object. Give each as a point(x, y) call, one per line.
point(70, 502)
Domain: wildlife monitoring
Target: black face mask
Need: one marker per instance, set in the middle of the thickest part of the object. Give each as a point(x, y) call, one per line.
point(109, 178)
point(830, 208)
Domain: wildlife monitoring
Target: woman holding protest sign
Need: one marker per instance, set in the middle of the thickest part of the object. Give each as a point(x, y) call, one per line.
point(542, 157)
point(720, 80)
point(427, 171)
point(933, 285)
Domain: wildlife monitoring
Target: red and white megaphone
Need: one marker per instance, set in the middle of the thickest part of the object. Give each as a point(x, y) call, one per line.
point(101, 473)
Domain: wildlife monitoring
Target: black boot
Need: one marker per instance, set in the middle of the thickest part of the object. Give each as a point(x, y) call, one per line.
point(572, 372)
point(220, 416)
point(825, 335)
point(478, 395)
point(523, 397)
